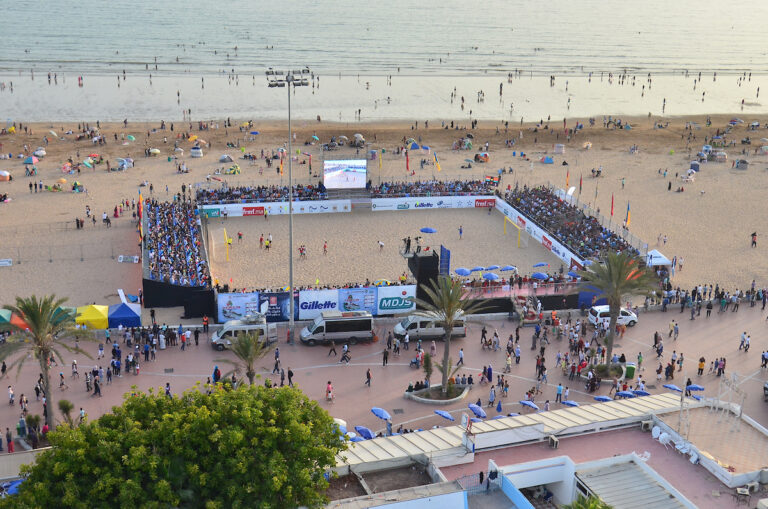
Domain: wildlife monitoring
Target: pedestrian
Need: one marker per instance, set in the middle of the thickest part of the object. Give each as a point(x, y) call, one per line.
point(282, 377)
point(461, 358)
point(461, 231)
point(168, 389)
point(559, 393)
point(492, 395)
point(290, 377)
point(333, 349)
point(368, 377)
point(385, 355)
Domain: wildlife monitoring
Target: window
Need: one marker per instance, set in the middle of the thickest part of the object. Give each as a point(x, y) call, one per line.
point(349, 326)
point(319, 330)
point(413, 326)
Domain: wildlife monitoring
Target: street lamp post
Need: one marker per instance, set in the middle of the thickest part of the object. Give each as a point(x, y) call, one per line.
point(287, 79)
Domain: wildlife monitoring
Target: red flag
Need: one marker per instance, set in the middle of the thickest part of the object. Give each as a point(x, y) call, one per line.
point(407, 162)
point(611, 204)
point(581, 182)
point(567, 178)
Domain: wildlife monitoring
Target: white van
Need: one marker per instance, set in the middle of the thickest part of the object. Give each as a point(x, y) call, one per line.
point(339, 327)
point(602, 314)
point(223, 337)
point(422, 327)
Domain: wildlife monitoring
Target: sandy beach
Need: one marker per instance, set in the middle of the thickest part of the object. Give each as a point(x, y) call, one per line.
point(708, 225)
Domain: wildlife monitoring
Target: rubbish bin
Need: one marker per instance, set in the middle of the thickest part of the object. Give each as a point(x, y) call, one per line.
point(630, 370)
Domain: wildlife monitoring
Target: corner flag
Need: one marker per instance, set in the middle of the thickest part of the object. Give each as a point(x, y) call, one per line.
point(437, 163)
point(628, 215)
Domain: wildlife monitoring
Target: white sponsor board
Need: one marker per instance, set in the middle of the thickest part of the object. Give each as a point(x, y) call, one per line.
point(545, 239)
point(391, 300)
point(313, 302)
point(432, 202)
point(234, 306)
point(276, 208)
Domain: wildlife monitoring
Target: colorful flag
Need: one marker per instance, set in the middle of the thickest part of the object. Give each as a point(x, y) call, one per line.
point(567, 178)
point(407, 162)
point(611, 204)
point(281, 164)
point(381, 155)
point(581, 182)
point(437, 163)
point(628, 215)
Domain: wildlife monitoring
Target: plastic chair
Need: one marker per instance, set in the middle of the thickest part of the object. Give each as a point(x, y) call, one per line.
point(665, 439)
point(655, 432)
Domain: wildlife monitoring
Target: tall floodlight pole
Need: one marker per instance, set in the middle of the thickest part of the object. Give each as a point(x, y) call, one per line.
point(296, 79)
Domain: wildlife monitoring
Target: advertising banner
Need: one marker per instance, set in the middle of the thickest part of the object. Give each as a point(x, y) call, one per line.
point(358, 299)
point(276, 208)
point(234, 306)
point(314, 302)
point(484, 203)
point(275, 306)
point(394, 299)
point(430, 202)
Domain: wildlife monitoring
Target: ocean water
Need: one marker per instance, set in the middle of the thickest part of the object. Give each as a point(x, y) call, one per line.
point(428, 48)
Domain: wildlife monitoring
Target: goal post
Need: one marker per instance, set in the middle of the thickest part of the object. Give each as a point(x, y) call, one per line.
point(522, 239)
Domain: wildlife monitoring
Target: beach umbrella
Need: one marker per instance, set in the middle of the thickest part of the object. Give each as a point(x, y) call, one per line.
point(62, 181)
point(461, 271)
point(130, 137)
point(93, 155)
point(541, 264)
point(498, 417)
point(573, 274)
point(364, 432)
point(508, 268)
point(498, 407)
point(468, 161)
point(475, 419)
point(478, 411)
point(529, 404)
point(695, 387)
point(513, 414)
point(425, 147)
point(381, 413)
point(571, 403)
point(357, 439)
point(53, 133)
point(697, 398)
point(445, 415)
point(13, 487)
point(341, 423)
point(490, 276)
point(5, 316)
point(315, 138)
point(477, 269)
point(428, 230)
point(672, 387)
point(154, 151)
point(343, 138)
point(254, 133)
point(641, 393)
point(87, 163)
point(31, 160)
point(539, 275)
point(603, 399)
point(382, 282)
point(492, 267)
point(39, 153)
point(625, 394)
point(409, 141)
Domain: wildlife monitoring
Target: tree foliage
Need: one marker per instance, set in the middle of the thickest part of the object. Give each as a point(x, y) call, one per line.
point(247, 349)
point(447, 301)
point(592, 502)
point(249, 447)
point(618, 277)
point(49, 323)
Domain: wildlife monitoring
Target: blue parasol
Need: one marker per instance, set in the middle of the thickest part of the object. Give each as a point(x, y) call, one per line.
point(364, 432)
point(428, 230)
point(539, 275)
point(461, 271)
point(498, 417)
point(492, 267)
point(477, 410)
point(508, 267)
point(587, 263)
point(641, 393)
point(573, 274)
point(625, 394)
point(672, 387)
point(490, 276)
point(513, 414)
point(529, 404)
point(541, 264)
point(571, 403)
point(697, 398)
point(498, 407)
point(477, 269)
point(254, 132)
point(695, 387)
point(475, 419)
point(603, 399)
point(445, 415)
point(381, 413)
point(357, 439)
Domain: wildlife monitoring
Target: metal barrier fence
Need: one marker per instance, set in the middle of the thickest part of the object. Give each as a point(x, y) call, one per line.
point(472, 485)
point(67, 252)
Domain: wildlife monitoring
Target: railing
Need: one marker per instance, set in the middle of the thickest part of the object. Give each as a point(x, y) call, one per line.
point(472, 485)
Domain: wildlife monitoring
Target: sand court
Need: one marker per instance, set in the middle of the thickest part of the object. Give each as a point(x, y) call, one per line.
point(354, 254)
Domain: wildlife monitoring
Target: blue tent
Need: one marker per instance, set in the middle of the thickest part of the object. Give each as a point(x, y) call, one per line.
point(546, 160)
point(414, 146)
point(127, 315)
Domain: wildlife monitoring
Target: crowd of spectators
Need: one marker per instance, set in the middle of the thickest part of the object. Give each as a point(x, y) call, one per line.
point(246, 194)
point(173, 244)
point(431, 188)
point(582, 234)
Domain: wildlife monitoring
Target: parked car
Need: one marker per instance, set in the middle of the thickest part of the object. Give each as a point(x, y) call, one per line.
point(602, 315)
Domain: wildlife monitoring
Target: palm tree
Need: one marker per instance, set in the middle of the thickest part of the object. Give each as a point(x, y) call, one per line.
point(447, 301)
point(66, 407)
point(592, 502)
point(248, 349)
point(619, 276)
point(49, 324)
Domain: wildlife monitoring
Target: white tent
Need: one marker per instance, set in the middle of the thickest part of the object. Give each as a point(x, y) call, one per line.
point(226, 158)
point(655, 259)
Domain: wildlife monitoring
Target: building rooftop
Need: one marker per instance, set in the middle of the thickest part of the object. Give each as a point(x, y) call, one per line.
point(627, 486)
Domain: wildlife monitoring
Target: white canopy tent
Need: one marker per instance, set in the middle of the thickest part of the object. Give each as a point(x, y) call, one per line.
point(655, 259)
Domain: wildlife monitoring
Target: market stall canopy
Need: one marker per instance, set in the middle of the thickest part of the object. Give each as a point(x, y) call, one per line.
point(93, 316)
point(656, 259)
point(127, 315)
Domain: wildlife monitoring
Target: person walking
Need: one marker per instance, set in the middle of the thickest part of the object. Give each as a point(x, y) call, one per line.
point(492, 395)
point(290, 377)
point(385, 357)
point(559, 393)
point(461, 358)
point(333, 349)
point(368, 377)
